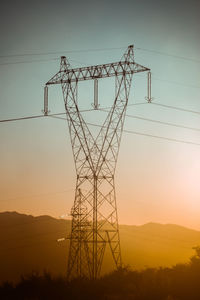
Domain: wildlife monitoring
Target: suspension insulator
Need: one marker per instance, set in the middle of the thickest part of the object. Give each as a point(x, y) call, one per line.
point(96, 105)
point(149, 99)
point(46, 101)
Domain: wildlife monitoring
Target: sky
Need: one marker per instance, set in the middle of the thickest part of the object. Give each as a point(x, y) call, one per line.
point(157, 180)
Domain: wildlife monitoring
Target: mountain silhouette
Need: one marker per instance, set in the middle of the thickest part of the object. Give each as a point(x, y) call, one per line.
point(29, 244)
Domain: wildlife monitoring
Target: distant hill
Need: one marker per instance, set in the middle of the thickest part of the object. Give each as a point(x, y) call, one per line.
point(30, 243)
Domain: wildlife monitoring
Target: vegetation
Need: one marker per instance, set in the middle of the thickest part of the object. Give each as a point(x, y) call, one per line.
point(181, 282)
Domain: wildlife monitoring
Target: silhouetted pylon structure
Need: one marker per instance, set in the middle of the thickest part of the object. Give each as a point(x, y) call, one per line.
point(94, 213)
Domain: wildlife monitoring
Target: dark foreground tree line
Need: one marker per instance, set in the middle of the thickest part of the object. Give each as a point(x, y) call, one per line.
point(181, 282)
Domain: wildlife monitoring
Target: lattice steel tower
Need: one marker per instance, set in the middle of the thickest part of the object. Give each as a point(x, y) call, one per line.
point(94, 213)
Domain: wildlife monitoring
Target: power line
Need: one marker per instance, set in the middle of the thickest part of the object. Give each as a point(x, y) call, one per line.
point(162, 137)
point(61, 52)
point(40, 60)
point(89, 50)
point(131, 116)
point(159, 122)
point(176, 108)
point(172, 82)
point(27, 61)
point(99, 50)
point(150, 120)
point(170, 55)
point(33, 61)
point(163, 123)
point(57, 114)
point(153, 136)
point(39, 116)
point(176, 82)
point(22, 118)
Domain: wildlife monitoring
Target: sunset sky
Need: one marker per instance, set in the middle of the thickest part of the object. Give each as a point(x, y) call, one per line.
point(157, 180)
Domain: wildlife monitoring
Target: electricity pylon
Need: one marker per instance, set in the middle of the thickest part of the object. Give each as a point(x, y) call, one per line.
point(94, 213)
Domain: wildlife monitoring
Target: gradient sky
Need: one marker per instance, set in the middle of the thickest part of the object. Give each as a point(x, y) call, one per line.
point(156, 180)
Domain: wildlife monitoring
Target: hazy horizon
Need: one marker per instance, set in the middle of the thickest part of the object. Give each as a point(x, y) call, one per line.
point(120, 224)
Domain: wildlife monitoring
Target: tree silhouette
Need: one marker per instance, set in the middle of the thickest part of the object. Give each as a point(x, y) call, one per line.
point(181, 282)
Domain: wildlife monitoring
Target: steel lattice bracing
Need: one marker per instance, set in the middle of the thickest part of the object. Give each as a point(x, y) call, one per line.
point(94, 213)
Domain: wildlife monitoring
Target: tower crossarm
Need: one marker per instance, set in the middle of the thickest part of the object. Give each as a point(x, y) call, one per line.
point(98, 71)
